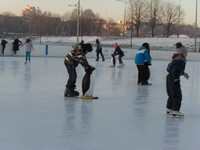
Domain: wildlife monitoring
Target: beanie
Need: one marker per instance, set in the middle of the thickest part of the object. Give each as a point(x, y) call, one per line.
point(146, 45)
point(116, 45)
point(87, 47)
point(180, 49)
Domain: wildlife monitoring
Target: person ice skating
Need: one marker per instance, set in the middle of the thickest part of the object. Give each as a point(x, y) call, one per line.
point(3, 44)
point(28, 47)
point(16, 44)
point(99, 50)
point(72, 60)
point(142, 61)
point(175, 69)
point(118, 51)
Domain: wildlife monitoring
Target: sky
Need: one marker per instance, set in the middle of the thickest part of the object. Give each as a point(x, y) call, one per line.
point(105, 8)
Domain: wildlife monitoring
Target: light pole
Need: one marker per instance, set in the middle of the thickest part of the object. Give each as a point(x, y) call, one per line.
point(195, 38)
point(179, 17)
point(78, 20)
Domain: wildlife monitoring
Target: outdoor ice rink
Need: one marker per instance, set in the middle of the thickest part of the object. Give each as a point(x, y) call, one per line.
point(34, 115)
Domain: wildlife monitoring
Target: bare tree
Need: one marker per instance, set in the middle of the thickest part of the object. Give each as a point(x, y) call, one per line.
point(137, 9)
point(154, 8)
point(170, 16)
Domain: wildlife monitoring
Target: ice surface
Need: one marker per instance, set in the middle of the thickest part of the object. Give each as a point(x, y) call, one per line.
point(34, 115)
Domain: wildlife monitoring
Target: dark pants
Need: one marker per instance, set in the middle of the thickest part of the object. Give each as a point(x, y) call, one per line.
point(174, 94)
point(100, 52)
point(71, 83)
point(143, 74)
point(120, 59)
point(3, 48)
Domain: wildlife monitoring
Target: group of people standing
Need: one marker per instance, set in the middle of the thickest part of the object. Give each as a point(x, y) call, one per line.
point(143, 59)
point(16, 44)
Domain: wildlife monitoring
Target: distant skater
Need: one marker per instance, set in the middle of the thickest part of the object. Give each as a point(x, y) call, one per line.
point(3, 44)
point(28, 47)
point(16, 44)
point(99, 50)
point(175, 69)
point(118, 51)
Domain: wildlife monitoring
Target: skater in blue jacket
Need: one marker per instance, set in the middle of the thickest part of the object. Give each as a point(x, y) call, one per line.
point(142, 61)
point(175, 69)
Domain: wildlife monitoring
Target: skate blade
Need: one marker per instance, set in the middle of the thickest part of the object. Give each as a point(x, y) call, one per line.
point(176, 116)
point(89, 97)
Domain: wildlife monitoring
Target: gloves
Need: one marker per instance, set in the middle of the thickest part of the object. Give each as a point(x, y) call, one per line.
point(186, 75)
point(146, 64)
point(176, 81)
point(89, 69)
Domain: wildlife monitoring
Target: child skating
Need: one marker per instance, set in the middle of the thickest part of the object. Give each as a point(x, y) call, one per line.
point(175, 69)
point(72, 60)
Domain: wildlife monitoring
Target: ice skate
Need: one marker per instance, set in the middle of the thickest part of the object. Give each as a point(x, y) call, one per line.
point(146, 83)
point(71, 93)
point(168, 111)
point(176, 114)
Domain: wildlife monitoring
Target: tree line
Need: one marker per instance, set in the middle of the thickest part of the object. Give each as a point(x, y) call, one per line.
point(143, 18)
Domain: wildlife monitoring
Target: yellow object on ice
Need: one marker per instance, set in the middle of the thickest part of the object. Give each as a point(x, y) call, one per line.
point(88, 97)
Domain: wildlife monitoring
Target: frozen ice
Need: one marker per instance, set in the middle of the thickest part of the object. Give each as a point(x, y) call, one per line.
point(34, 115)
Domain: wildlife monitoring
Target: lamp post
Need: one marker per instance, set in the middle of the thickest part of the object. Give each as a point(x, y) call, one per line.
point(179, 15)
point(195, 38)
point(78, 20)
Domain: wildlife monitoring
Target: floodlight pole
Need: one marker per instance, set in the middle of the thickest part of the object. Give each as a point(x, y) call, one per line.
point(78, 22)
point(195, 38)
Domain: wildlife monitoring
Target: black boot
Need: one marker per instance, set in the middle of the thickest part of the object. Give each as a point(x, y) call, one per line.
point(69, 93)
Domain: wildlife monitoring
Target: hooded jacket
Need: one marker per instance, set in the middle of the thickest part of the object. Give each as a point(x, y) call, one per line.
point(176, 67)
point(142, 56)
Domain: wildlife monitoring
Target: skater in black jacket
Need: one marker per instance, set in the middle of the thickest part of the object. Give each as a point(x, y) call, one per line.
point(72, 60)
point(3, 44)
point(99, 50)
point(118, 51)
point(175, 69)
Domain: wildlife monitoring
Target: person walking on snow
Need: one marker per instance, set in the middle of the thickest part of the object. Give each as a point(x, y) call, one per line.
point(72, 60)
point(28, 48)
point(143, 61)
point(118, 51)
point(175, 69)
point(99, 50)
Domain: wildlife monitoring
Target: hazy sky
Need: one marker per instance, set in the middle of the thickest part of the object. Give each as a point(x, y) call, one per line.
point(106, 8)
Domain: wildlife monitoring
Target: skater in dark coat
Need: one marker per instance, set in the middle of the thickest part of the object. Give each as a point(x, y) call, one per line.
point(16, 44)
point(143, 61)
point(175, 69)
point(118, 51)
point(72, 60)
point(3, 44)
point(99, 50)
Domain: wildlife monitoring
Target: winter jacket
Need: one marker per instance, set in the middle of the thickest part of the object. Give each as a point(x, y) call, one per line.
point(176, 67)
point(76, 57)
point(3, 42)
point(118, 51)
point(142, 56)
point(16, 44)
point(28, 46)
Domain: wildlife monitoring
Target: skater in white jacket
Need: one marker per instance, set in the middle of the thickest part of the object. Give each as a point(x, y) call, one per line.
point(28, 47)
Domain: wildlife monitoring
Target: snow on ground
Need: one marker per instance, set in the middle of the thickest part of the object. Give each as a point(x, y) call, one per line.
point(108, 41)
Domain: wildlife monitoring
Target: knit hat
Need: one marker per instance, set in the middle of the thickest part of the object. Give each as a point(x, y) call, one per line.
point(146, 45)
point(87, 47)
point(116, 45)
point(180, 49)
